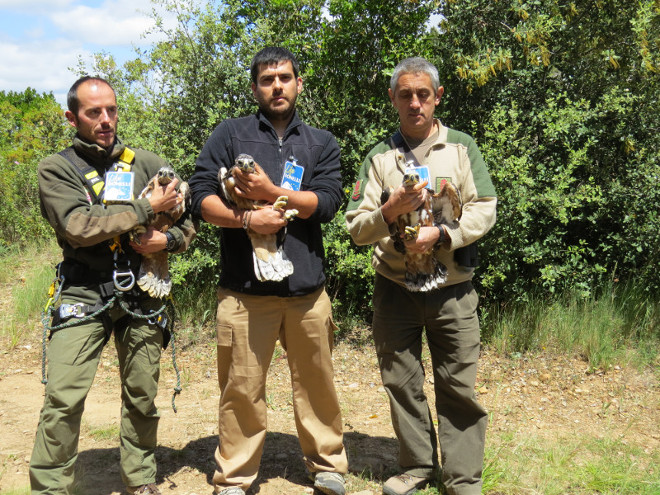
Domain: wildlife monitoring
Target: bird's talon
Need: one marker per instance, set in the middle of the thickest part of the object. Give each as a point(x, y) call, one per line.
point(280, 203)
point(411, 233)
point(291, 214)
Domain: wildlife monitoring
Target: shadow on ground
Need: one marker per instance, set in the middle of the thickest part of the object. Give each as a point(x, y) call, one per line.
point(371, 458)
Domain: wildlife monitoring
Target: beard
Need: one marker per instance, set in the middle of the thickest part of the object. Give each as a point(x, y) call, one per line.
point(283, 113)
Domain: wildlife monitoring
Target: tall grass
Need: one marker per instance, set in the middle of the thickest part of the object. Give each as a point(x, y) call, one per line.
point(603, 328)
point(620, 324)
point(195, 313)
point(28, 274)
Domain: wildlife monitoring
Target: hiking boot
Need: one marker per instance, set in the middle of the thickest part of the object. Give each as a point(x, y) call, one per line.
point(403, 484)
point(232, 490)
point(330, 483)
point(150, 489)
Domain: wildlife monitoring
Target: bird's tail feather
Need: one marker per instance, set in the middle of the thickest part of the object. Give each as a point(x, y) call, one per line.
point(424, 282)
point(271, 266)
point(154, 278)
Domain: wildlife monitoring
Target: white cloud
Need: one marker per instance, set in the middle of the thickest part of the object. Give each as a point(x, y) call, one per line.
point(116, 22)
point(43, 66)
point(41, 40)
point(31, 5)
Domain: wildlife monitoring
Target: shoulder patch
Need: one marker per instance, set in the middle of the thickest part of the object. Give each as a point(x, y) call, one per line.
point(357, 190)
point(440, 182)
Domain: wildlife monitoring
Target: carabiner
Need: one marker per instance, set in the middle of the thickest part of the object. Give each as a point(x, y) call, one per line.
point(118, 284)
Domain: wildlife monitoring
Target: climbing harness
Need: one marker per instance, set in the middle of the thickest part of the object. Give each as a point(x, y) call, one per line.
point(76, 314)
point(122, 276)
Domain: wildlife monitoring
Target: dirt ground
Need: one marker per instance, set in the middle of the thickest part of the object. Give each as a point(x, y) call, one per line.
point(548, 396)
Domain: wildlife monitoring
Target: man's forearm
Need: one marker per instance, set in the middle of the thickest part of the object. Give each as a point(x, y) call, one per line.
point(216, 212)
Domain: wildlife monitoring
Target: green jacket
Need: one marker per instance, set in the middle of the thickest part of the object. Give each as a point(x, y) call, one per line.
point(453, 157)
point(85, 227)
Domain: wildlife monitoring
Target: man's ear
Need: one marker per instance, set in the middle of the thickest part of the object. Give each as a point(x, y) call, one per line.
point(391, 95)
point(438, 95)
point(70, 116)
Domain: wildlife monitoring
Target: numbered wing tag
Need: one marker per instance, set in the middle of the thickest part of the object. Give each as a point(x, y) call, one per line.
point(293, 174)
point(423, 172)
point(118, 187)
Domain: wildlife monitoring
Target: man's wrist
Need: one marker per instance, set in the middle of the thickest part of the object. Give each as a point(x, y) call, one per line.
point(246, 217)
point(442, 236)
point(171, 242)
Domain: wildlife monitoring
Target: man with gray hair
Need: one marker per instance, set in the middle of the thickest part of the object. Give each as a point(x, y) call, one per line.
point(441, 160)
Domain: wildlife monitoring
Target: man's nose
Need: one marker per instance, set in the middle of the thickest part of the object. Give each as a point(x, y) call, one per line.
point(277, 84)
point(414, 102)
point(105, 117)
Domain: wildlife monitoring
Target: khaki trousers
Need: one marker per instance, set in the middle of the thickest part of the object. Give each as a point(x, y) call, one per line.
point(247, 329)
point(73, 357)
point(449, 318)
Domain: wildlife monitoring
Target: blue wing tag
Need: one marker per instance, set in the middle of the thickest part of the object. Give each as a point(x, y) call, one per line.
point(118, 187)
point(293, 174)
point(423, 173)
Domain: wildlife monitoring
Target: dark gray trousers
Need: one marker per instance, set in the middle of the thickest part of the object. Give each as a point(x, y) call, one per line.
point(449, 317)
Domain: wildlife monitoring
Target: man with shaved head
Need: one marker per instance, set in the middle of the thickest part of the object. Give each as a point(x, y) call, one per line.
point(92, 220)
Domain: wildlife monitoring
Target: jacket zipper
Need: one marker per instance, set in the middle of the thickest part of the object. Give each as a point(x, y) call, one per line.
point(280, 163)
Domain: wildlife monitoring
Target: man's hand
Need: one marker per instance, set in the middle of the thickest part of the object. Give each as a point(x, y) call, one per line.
point(165, 198)
point(150, 242)
point(256, 185)
point(267, 220)
point(404, 200)
point(425, 241)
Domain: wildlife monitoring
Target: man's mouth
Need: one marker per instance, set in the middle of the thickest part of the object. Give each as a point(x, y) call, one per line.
point(106, 135)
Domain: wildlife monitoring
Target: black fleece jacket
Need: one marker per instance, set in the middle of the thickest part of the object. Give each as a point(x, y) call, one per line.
point(317, 152)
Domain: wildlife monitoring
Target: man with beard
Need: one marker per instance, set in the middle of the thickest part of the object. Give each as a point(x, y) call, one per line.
point(92, 229)
point(298, 161)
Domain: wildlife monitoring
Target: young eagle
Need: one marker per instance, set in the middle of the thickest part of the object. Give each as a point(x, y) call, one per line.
point(423, 270)
point(270, 262)
point(154, 276)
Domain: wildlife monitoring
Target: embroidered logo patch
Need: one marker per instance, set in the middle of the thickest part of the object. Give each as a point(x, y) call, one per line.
point(357, 190)
point(440, 183)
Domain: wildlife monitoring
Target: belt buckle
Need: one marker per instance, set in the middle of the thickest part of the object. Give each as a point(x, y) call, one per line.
point(70, 310)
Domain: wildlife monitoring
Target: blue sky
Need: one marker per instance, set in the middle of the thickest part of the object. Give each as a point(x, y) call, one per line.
point(41, 40)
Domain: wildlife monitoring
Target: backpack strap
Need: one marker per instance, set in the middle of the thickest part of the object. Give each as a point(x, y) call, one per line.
point(94, 182)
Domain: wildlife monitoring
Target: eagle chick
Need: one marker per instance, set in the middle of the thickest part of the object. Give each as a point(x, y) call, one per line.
point(270, 261)
point(154, 275)
point(423, 270)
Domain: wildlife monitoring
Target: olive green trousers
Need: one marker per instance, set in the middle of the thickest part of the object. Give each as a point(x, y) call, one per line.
point(448, 317)
point(73, 357)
